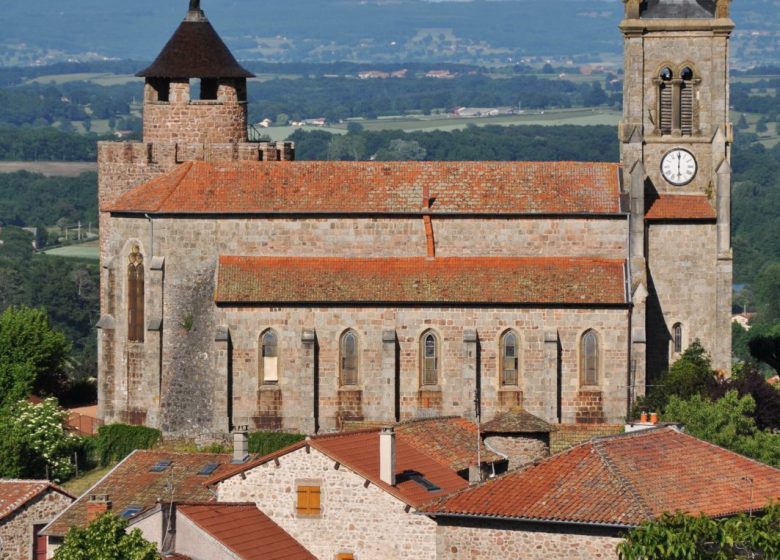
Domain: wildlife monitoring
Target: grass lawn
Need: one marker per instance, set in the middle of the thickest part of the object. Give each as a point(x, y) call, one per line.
point(88, 250)
point(49, 168)
point(79, 485)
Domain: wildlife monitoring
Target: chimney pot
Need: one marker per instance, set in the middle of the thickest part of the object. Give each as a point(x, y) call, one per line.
point(387, 456)
point(654, 418)
point(643, 418)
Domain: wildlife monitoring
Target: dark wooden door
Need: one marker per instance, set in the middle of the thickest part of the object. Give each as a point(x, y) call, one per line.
point(39, 543)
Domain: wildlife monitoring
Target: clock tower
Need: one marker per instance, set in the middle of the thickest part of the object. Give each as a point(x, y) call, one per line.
point(675, 151)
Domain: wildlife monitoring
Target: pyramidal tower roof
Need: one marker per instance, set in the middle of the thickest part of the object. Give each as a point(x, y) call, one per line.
point(195, 51)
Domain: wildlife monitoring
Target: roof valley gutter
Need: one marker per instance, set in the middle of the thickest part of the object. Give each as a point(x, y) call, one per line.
point(526, 520)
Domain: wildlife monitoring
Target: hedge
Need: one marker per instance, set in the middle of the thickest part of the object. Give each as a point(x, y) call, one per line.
point(268, 442)
point(114, 442)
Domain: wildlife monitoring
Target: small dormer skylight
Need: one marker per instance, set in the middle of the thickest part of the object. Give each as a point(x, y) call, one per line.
point(160, 466)
point(208, 469)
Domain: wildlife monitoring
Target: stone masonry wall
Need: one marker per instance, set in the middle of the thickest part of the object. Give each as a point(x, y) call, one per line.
point(474, 540)
point(365, 521)
point(16, 531)
point(521, 448)
point(683, 273)
point(191, 248)
point(569, 435)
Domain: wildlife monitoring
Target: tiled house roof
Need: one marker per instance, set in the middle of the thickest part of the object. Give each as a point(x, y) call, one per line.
point(131, 483)
point(517, 421)
point(14, 494)
point(623, 481)
point(473, 280)
point(680, 207)
point(449, 440)
point(246, 531)
point(359, 452)
point(332, 187)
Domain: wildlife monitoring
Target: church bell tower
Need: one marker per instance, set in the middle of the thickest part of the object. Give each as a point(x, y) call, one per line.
point(675, 150)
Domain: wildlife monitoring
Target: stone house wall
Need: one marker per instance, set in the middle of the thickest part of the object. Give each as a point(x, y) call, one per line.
point(475, 540)
point(363, 520)
point(16, 531)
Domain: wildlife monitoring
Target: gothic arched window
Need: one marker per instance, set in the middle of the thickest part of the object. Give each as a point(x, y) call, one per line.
point(349, 358)
point(429, 363)
point(589, 359)
point(269, 357)
point(135, 296)
point(677, 342)
point(509, 362)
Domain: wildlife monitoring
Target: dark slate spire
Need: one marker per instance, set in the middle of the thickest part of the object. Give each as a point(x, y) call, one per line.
point(195, 51)
point(678, 9)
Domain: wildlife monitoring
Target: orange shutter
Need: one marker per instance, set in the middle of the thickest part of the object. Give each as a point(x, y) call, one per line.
point(308, 500)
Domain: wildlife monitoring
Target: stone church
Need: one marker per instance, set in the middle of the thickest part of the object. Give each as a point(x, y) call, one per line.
point(242, 287)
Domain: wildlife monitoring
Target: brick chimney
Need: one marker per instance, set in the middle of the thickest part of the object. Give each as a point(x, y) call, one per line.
point(387, 456)
point(97, 505)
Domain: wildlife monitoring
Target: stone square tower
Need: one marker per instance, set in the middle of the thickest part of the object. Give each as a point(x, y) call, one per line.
point(675, 150)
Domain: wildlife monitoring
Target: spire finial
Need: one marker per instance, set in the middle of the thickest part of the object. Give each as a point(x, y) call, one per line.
point(195, 13)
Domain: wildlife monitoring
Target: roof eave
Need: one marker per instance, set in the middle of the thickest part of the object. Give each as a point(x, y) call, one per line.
point(521, 519)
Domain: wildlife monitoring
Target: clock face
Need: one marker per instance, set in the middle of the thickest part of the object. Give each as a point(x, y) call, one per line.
point(678, 167)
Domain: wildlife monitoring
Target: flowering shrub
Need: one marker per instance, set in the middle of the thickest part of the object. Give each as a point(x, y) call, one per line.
point(41, 427)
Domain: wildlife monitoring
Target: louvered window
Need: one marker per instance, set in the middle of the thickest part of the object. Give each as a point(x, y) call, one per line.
point(430, 360)
point(686, 101)
point(665, 108)
point(135, 296)
point(349, 358)
point(509, 364)
point(589, 356)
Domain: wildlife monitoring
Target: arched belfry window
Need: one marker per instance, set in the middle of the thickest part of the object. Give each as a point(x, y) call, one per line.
point(349, 358)
point(677, 342)
point(135, 295)
point(429, 363)
point(665, 100)
point(589, 359)
point(269, 357)
point(509, 359)
point(676, 100)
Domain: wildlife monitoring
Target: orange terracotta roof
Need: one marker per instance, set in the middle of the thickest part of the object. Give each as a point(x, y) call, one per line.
point(246, 531)
point(379, 188)
point(359, 452)
point(622, 481)
point(14, 494)
point(491, 280)
point(680, 207)
point(449, 440)
point(131, 483)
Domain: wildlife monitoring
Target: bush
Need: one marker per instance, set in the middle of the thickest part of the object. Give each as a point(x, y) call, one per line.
point(116, 441)
point(268, 442)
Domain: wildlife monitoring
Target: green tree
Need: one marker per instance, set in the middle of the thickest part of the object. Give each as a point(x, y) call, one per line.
point(728, 422)
point(402, 150)
point(683, 537)
point(765, 346)
point(31, 354)
point(690, 375)
point(767, 289)
point(106, 539)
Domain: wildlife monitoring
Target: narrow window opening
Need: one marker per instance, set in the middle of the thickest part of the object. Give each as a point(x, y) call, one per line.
point(160, 89)
point(269, 361)
point(686, 101)
point(430, 360)
point(509, 363)
point(208, 89)
point(665, 101)
point(590, 359)
point(135, 296)
point(677, 338)
point(349, 358)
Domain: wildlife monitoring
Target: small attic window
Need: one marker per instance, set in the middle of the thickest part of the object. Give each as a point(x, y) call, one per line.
point(130, 511)
point(419, 479)
point(160, 466)
point(208, 469)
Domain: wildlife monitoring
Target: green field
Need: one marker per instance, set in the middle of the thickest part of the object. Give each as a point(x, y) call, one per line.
point(89, 250)
point(101, 79)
